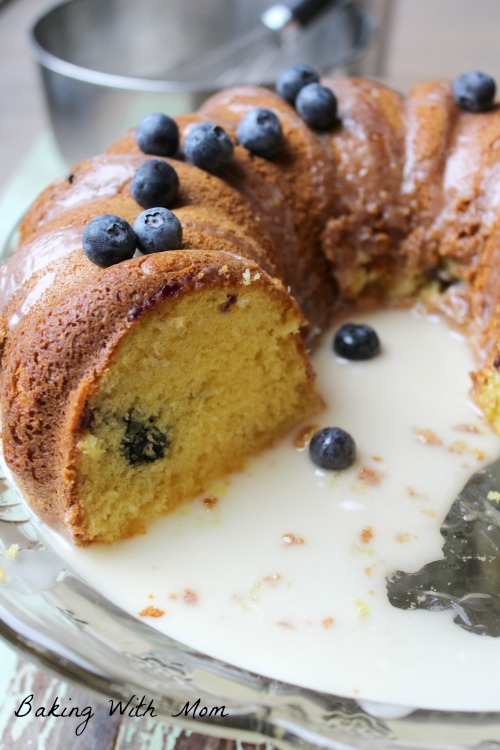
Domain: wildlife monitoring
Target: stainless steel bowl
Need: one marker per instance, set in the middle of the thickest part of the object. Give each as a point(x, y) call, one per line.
point(103, 62)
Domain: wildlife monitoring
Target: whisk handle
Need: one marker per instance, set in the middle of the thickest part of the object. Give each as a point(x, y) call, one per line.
point(304, 11)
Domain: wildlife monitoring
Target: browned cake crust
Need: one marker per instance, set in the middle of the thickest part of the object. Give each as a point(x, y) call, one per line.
point(400, 196)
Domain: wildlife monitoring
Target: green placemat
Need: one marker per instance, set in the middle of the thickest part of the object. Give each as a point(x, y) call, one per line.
point(41, 164)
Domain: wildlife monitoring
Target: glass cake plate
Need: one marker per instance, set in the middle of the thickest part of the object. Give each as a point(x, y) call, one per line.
point(57, 618)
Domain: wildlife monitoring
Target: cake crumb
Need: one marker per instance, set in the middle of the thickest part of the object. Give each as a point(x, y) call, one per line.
point(478, 454)
point(334, 480)
point(469, 428)
point(223, 271)
point(328, 622)
point(285, 624)
point(210, 502)
point(428, 512)
point(428, 437)
point(303, 436)
point(247, 280)
point(369, 570)
point(151, 612)
point(377, 458)
point(362, 609)
point(13, 552)
point(458, 446)
point(493, 496)
point(292, 539)
point(151, 596)
point(172, 596)
point(190, 597)
point(255, 591)
point(273, 579)
point(369, 476)
point(403, 537)
point(366, 535)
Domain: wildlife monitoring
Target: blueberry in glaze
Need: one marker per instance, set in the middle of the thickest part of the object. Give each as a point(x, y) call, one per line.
point(474, 91)
point(332, 448)
point(108, 240)
point(143, 441)
point(317, 105)
point(155, 183)
point(157, 134)
point(158, 229)
point(260, 132)
point(208, 146)
point(293, 79)
point(356, 342)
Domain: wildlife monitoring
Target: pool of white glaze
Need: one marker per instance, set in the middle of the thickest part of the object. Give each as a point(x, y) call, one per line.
point(281, 569)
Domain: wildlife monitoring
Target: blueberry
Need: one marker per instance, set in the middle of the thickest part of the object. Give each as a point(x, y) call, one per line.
point(332, 448)
point(294, 78)
point(143, 441)
point(157, 134)
point(356, 342)
point(260, 132)
point(317, 106)
point(155, 183)
point(108, 239)
point(474, 91)
point(158, 229)
point(208, 146)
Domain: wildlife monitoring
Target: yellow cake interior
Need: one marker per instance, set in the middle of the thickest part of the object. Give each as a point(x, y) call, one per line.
point(165, 427)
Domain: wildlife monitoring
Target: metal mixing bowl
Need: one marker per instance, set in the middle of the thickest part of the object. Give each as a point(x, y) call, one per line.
point(103, 62)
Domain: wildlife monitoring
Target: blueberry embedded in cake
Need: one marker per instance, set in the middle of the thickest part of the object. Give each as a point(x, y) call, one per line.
point(143, 442)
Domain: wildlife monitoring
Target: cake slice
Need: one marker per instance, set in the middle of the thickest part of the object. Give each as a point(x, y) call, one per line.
point(138, 387)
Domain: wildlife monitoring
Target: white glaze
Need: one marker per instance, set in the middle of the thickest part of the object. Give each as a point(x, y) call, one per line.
point(108, 173)
point(316, 613)
point(41, 286)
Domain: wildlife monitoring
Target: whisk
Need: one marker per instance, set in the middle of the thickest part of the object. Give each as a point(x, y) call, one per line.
point(247, 57)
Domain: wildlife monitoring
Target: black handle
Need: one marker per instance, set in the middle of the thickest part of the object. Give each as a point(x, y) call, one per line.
point(304, 11)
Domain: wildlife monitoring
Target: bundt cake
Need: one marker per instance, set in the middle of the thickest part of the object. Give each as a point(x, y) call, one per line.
point(130, 386)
